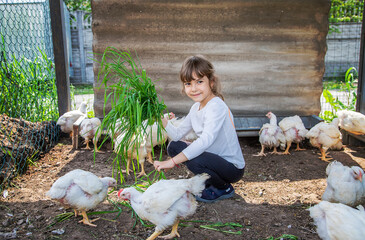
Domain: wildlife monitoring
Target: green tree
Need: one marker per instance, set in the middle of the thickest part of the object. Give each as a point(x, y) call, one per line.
point(346, 11)
point(74, 5)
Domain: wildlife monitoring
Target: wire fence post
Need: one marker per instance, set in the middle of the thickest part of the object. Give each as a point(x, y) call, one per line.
point(60, 55)
point(80, 32)
point(360, 102)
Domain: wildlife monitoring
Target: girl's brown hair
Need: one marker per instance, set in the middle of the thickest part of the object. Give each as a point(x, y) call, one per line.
point(201, 67)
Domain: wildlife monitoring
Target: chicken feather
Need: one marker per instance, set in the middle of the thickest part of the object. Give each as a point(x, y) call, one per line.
point(164, 202)
point(352, 121)
point(67, 120)
point(336, 221)
point(325, 136)
point(294, 131)
point(271, 135)
point(81, 190)
point(344, 184)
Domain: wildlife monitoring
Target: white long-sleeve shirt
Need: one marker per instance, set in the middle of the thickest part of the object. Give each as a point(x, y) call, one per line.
point(214, 127)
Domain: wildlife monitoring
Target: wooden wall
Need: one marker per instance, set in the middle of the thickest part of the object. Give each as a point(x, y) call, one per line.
point(268, 54)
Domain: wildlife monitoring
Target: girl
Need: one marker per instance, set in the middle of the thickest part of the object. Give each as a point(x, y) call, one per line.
point(217, 150)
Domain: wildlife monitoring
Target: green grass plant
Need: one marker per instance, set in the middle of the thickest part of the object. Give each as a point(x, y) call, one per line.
point(284, 237)
point(220, 227)
point(82, 89)
point(134, 102)
point(27, 87)
point(349, 87)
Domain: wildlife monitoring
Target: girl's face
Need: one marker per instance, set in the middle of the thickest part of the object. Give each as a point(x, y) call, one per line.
point(199, 90)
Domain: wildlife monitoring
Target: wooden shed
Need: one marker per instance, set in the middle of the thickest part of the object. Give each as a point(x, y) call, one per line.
point(268, 54)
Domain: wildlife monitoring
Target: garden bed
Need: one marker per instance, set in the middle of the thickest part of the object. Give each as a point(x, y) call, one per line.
point(271, 199)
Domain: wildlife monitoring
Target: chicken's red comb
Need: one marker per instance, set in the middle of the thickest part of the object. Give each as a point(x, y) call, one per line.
point(119, 192)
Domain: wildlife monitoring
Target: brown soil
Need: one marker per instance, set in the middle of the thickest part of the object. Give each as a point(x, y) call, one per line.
point(271, 199)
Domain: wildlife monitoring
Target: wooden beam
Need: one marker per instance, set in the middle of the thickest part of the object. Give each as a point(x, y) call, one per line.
point(75, 132)
point(360, 102)
point(60, 55)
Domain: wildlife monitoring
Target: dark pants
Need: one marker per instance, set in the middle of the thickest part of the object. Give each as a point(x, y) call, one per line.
point(221, 171)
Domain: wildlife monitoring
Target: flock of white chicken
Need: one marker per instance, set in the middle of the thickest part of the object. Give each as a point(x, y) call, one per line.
point(334, 216)
point(323, 135)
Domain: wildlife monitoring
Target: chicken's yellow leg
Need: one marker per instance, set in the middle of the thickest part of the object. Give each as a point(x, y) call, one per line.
point(323, 156)
point(87, 144)
point(275, 151)
point(287, 148)
point(298, 148)
point(95, 142)
point(127, 169)
point(173, 232)
point(128, 164)
point(262, 152)
point(149, 157)
point(142, 173)
point(76, 212)
point(85, 219)
point(154, 235)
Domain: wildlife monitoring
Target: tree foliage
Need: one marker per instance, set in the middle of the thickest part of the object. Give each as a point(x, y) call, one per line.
point(346, 11)
point(74, 5)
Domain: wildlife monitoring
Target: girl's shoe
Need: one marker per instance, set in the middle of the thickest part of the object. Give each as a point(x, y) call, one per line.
point(213, 194)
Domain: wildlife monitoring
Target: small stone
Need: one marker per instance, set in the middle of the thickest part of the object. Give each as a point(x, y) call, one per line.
point(20, 222)
point(5, 193)
point(58, 231)
point(5, 223)
point(247, 222)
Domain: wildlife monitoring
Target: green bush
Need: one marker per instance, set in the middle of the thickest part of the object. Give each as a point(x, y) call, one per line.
point(28, 87)
point(348, 87)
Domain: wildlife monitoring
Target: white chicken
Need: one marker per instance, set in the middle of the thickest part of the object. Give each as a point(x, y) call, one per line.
point(351, 121)
point(165, 202)
point(116, 129)
point(82, 191)
point(142, 148)
point(137, 151)
point(344, 184)
point(271, 135)
point(294, 131)
point(336, 221)
point(325, 136)
point(153, 139)
point(89, 130)
point(67, 120)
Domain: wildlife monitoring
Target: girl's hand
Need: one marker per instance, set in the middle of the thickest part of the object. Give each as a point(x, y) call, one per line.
point(159, 165)
point(171, 115)
point(165, 118)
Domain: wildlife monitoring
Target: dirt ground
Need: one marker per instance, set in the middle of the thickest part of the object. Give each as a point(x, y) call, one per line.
point(271, 199)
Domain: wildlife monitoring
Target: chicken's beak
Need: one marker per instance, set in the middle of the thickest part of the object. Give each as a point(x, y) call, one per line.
point(119, 192)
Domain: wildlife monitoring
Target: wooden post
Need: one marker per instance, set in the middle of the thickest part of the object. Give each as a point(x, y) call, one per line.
point(360, 102)
point(80, 32)
point(75, 132)
point(60, 55)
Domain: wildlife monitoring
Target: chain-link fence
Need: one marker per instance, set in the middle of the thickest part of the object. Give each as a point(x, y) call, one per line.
point(28, 94)
point(343, 53)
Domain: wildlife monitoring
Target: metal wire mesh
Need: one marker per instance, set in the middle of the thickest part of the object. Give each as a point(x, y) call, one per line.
point(28, 94)
point(343, 49)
